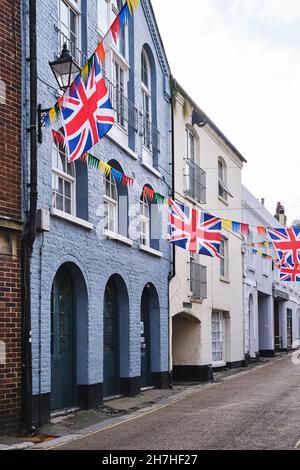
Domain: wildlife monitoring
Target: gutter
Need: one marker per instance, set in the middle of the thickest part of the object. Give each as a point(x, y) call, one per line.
point(29, 232)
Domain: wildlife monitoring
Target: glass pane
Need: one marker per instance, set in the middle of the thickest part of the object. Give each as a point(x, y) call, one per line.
point(67, 189)
point(73, 23)
point(64, 13)
point(68, 206)
point(59, 202)
point(102, 16)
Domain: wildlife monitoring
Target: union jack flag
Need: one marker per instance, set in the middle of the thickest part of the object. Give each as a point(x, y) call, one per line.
point(290, 273)
point(286, 242)
point(87, 114)
point(194, 230)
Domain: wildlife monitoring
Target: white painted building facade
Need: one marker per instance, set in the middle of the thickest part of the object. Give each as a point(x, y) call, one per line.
point(206, 294)
point(272, 308)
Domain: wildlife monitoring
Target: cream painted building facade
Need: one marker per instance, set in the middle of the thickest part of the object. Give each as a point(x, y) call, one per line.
point(206, 294)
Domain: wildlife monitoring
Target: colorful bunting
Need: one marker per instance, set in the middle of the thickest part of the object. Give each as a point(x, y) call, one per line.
point(132, 5)
point(115, 29)
point(236, 227)
point(261, 231)
point(100, 51)
point(245, 229)
point(227, 225)
point(59, 139)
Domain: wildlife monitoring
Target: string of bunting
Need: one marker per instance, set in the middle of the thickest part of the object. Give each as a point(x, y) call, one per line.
point(107, 170)
point(53, 115)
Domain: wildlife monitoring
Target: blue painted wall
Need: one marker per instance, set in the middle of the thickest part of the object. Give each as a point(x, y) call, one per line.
point(97, 259)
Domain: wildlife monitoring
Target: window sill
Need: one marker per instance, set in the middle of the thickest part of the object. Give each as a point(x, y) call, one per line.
point(223, 200)
point(218, 364)
point(224, 279)
point(266, 274)
point(151, 251)
point(151, 168)
point(117, 237)
point(71, 218)
point(116, 141)
point(193, 200)
point(252, 270)
point(196, 300)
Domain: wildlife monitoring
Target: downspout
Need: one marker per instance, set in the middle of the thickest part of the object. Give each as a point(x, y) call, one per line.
point(29, 233)
point(172, 273)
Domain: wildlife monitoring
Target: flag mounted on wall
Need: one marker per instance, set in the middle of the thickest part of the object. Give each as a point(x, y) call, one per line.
point(86, 112)
point(194, 230)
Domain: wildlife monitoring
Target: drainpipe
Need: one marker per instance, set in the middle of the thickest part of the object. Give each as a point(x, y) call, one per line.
point(172, 273)
point(29, 232)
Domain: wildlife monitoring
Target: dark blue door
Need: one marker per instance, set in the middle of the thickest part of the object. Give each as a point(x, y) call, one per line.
point(145, 343)
point(111, 342)
point(63, 378)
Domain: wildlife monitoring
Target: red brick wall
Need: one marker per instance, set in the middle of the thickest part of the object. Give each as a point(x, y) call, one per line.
point(10, 133)
point(10, 334)
point(10, 207)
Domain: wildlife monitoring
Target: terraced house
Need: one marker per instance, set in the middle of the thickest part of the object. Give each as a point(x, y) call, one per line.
point(206, 301)
point(99, 271)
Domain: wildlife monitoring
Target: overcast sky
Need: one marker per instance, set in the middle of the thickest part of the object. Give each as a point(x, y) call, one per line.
point(240, 61)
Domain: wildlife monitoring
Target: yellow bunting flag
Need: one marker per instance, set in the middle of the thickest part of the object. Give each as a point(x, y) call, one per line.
point(52, 115)
point(227, 224)
point(104, 168)
point(132, 5)
point(85, 72)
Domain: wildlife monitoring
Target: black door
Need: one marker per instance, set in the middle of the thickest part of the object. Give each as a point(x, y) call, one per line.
point(111, 342)
point(145, 343)
point(63, 355)
point(289, 328)
point(277, 340)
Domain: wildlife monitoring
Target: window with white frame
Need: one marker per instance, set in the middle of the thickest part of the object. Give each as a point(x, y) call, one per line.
point(107, 13)
point(63, 183)
point(224, 269)
point(111, 204)
point(145, 221)
point(222, 180)
point(119, 93)
point(198, 277)
point(146, 96)
point(69, 26)
point(218, 337)
point(189, 145)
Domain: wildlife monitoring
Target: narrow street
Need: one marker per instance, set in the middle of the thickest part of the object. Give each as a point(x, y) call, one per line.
point(256, 409)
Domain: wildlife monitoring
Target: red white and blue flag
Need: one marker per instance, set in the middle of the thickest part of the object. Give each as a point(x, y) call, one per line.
point(87, 114)
point(290, 273)
point(286, 242)
point(194, 230)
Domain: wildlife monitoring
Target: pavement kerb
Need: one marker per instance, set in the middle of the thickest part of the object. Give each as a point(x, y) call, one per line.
point(113, 422)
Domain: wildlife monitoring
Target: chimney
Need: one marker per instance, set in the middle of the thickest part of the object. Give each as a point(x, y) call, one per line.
point(262, 201)
point(280, 214)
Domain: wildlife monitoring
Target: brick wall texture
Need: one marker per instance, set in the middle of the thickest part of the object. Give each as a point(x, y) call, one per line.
point(10, 207)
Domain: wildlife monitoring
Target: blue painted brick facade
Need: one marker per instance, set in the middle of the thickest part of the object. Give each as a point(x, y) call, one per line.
point(98, 259)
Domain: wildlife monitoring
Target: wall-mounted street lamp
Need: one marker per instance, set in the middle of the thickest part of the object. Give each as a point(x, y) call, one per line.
point(199, 119)
point(65, 70)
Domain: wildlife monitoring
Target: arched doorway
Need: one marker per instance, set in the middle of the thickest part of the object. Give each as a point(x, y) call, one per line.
point(150, 336)
point(186, 347)
point(63, 344)
point(145, 341)
point(115, 335)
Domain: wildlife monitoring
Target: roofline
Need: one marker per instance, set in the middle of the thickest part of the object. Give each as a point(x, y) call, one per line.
point(209, 121)
point(159, 35)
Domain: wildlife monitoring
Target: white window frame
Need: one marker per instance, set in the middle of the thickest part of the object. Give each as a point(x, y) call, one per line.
point(146, 95)
point(112, 12)
point(66, 177)
point(111, 205)
point(217, 318)
point(76, 8)
point(146, 221)
point(117, 63)
point(223, 191)
point(224, 258)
